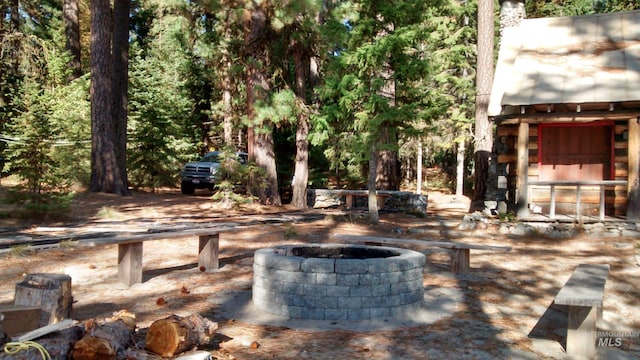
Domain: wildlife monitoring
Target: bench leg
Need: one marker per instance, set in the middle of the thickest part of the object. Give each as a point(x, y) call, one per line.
point(130, 263)
point(460, 261)
point(380, 200)
point(348, 199)
point(208, 248)
point(582, 324)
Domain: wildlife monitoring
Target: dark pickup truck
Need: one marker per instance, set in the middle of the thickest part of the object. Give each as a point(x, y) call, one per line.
point(201, 174)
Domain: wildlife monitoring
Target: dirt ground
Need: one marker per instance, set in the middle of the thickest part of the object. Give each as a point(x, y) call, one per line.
point(506, 309)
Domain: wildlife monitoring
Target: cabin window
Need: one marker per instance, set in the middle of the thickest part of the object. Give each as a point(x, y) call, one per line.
point(575, 152)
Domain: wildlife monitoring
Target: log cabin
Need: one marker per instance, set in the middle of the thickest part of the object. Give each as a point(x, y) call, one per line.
point(566, 105)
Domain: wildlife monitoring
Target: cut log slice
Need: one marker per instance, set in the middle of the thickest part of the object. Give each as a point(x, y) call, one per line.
point(176, 334)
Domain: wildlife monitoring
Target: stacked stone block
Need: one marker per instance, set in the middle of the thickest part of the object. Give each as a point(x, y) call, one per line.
point(337, 288)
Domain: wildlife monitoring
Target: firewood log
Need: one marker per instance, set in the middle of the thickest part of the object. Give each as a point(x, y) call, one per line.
point(176, 334)
point(106, 340)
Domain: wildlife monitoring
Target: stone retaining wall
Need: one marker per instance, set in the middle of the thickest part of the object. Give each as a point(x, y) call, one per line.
point(394, 200)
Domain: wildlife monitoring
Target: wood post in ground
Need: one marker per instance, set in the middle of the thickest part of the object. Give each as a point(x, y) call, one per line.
point(208, 249)
point(460, 261)
point(50, 292)
point(130, 263)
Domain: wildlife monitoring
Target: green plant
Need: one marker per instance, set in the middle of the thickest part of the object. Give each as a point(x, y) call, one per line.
point(290, 231)
point(416, 213)
point(66, 244)
point(109, 213)
point(40, 206)
point(233, 179)
point(20, 250)
point(507, 217)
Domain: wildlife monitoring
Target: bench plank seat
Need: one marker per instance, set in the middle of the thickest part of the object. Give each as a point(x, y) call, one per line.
point(130, 248)
point(584, 294)
point(460, 252)
point(161, 235)
point(585, 287)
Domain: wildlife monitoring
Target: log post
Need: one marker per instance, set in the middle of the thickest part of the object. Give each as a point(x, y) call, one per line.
point(633, 181)
point(522, 171)
point(50, 292)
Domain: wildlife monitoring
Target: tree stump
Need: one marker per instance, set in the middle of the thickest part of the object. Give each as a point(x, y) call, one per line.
point(108, 340)
point(175, 334)
point(50, 292)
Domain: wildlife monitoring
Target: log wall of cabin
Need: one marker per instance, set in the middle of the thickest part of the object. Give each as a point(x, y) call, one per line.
point(506, 149)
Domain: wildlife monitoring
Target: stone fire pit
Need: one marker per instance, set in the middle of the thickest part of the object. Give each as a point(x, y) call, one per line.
point(337, 282)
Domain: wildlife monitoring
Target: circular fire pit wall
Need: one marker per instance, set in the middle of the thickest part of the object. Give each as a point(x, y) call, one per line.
point(337, 282)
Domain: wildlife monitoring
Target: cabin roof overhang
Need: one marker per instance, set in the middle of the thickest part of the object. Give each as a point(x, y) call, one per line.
point(568, 66)
point(566, 113)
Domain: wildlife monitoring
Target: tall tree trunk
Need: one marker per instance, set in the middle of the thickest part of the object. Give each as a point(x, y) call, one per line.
point(484, 78)
point(387, 176)
point(105, 173)
point(120, 85)
point(301, 167)
point(387, 163)
point(15, 16)
point(260, 134)
point(460, 169)
point(419, 169)
point(265, 158)
point(9, 61)
point(374, 216)
point(227, 121)
point(72, 33)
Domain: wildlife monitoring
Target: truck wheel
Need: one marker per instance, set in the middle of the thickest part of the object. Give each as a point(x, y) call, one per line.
point(187, 188)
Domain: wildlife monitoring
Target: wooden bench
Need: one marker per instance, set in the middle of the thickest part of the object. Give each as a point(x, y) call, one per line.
point(130, 248)
point(459, 252)
point(583, 293)
point(350, 194)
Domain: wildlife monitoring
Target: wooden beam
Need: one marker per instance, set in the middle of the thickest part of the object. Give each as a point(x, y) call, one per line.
point(558, 117)
point(18, 319)
point(633, 181)
point(34, 334)
point(522, 202)
point(419, 243)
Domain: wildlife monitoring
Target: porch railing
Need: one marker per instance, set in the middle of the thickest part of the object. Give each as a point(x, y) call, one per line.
point(602, 184)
